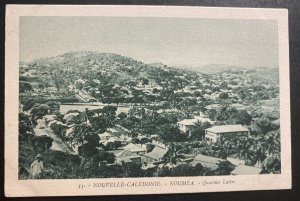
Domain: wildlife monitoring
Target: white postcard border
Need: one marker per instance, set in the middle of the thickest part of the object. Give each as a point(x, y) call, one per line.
point(71, 187)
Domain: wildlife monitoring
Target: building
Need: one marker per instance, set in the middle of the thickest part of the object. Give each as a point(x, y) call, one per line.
point(212, 108)
point(245, 170)
point(219, 133)
point(155, 155)
point(104, 137)
point(128, 157)
point(186, 125)
point(216, 107)
point(207, 161)
point(136, 149)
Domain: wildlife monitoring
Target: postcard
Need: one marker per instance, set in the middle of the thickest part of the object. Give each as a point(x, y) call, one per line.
point(117, 100)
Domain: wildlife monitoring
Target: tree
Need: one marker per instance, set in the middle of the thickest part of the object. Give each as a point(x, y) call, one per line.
point(41, 143)
point(264, 125)
point(132, 170)
point(183, 170)
point(89, 147)
point(198, 130)
point(242, 117)
point(53, 106)
point(225, 167)
point(223, 95)
point(122, 115)
point(25, 87)
point(39, 110)
point(25, 126)
point(169, 133)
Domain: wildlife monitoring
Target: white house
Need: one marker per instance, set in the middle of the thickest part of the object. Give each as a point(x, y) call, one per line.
point(218, 133)
point(136, 149)
point(186, 124)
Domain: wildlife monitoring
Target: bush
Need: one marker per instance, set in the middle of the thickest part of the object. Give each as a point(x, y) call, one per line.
point(41, 143)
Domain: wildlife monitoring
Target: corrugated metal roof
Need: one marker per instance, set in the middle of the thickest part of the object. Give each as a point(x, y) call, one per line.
point(208, 159)
point(188, 122)
point(134, 148)
point(157, 153)
point(213, 107)
point(227, 129)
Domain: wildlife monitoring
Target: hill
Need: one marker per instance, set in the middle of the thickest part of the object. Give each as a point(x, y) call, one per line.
point(212, 68)
point(110, 68)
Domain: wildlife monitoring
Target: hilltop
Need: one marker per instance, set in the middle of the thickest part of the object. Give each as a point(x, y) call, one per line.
point(118, 68)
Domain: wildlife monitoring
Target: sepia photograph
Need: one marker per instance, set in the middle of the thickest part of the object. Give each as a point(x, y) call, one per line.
point(167, 101)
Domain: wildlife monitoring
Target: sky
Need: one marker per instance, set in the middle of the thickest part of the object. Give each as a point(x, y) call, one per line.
point(172, 41)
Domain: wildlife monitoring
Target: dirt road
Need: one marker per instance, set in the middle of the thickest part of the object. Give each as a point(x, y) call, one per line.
point(57, 144)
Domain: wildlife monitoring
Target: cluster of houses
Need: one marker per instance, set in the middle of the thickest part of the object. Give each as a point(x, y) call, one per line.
point(151, 154)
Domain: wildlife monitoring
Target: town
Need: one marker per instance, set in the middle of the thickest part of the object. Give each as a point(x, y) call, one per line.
point(103, 115)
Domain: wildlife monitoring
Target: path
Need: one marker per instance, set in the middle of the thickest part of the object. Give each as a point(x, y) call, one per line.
point(57, 144)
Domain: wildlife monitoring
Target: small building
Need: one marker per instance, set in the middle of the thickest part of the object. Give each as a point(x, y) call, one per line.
point(155, 155)
point(186, 125)
point(216, 107)
point(207, 161)
point(235, 161)
point(246, 170)
point(136, 149)
point(219, 133)
point(128, 157)
point(105, 136)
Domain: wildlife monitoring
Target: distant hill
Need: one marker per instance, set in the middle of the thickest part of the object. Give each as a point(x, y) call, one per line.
point(89, 63)
point(257, 72)
point(158, 65)
point(116, 69)
point(213, 68)
point(263, 73)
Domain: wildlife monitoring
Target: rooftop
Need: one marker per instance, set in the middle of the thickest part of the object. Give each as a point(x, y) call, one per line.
point(208, 159)
point(157, 153)
point(227, 129)
point(188, 122)
point(134, 148)
point(213, 107)
point(123, 153)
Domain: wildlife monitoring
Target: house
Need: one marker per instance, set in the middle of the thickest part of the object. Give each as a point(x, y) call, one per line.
point(136, 149)
point(155, 155)
point(186, 125)
point(127, 157)
point(203, 119)
point(235, 161)
point(216, 107)
point(245, 170)
point(212, 108)
point(207, 161)
point(104, 137)
point(219, 133)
